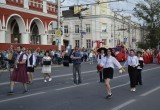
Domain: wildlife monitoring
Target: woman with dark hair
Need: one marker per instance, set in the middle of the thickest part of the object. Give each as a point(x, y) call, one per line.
point(139, 68)
point(46, 69)
point(108, 63)
point(31, 62)
point(19, 73)
point(132, 62)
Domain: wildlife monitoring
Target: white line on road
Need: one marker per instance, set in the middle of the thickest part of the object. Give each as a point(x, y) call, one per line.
point(72, 86)
point(120, 85)
point(11, 99)
point(124, 104)
point(151, 91)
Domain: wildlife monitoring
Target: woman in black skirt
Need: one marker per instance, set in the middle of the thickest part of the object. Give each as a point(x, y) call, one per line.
point(30, 65)
point(108, 63)
point(139, 68)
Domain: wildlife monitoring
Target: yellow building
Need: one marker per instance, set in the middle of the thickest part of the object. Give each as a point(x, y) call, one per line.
point(96, 26)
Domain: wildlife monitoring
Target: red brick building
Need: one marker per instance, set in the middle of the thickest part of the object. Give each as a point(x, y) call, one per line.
point(27, 22)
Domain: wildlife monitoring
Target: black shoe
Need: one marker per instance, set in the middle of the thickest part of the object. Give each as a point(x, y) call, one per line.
point(108, 96)
point(10, 93)
point(25, 91)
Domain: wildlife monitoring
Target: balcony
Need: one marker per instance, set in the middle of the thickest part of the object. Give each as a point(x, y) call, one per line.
point(36, 5)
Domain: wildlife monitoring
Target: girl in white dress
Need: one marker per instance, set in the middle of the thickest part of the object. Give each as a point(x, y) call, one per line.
point(46, 69)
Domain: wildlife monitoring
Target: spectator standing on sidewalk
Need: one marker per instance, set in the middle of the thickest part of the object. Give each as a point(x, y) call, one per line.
point(91, 55)
point(76, 58)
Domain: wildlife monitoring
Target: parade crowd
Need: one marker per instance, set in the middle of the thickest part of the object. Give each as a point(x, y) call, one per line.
point(23, 61)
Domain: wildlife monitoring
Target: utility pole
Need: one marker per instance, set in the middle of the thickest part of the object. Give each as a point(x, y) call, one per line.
point(58, 24)
point(129, 32)
point(114, 29)
point(81, 29)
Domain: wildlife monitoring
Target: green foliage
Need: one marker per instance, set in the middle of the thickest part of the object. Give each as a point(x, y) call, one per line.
point(149, 12)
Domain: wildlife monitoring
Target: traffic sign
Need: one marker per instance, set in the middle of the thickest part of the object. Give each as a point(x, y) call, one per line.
point(58, 33)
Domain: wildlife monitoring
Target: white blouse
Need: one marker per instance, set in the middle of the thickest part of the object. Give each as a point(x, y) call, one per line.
point(110, 62)
point(28, 61)
point(132, 61)
point(46, 58)
point(99, 60)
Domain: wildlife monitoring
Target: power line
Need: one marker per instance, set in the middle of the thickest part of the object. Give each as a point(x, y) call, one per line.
point(93, 3)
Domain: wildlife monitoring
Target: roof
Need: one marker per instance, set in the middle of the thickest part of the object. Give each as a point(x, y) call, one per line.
point(69, 13)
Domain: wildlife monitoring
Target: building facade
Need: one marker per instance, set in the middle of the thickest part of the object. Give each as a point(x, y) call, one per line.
point(99, 26)
point(27, 21)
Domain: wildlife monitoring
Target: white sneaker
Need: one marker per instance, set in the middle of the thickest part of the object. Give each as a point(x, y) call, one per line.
point(133, 89)
point(50, 79)
point(45, 80)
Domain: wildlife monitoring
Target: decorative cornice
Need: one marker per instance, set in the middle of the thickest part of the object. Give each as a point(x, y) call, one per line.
point(27, 11)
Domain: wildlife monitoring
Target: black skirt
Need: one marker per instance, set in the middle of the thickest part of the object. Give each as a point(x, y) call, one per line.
point(30, 69)
point(108, 73)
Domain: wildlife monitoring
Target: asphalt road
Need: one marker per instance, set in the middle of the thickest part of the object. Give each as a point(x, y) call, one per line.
point(62, 94)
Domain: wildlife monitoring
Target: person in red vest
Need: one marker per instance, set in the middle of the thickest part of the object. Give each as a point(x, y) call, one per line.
point(158, 58)
point(145, 57)
point(152, 57)
point(149, 57)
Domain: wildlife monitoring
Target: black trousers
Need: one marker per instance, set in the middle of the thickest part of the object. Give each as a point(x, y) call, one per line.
point(101, 76)
point(139, 77)
point(132, 75)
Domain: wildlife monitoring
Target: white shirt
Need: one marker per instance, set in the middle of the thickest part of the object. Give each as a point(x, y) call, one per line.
point(47, 58)
point(28, 61)
point(24, 56)
point(140, 59)
point(91, 54)
point(99, 60)
point(132, 61)
point(110, 61)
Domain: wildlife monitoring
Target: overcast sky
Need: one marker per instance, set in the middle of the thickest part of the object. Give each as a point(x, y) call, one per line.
point(127, 6)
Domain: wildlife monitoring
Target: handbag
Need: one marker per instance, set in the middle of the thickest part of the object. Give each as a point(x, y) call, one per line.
point(99, 68)
point(46, 62)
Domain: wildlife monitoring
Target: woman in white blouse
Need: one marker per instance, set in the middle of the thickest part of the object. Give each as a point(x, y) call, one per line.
point(108, 63)
point(31, 62)
point(132, 62)
point(139, 68)
point(46, 69)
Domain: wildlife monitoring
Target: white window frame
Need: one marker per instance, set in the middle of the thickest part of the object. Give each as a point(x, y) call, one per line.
point(65, 28)
point(77, 43)
point(104, 27)
point(76, 28)
point(88, 43)
point(88, 28)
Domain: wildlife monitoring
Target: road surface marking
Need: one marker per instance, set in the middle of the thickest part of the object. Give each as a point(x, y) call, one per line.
point(149, 92)
point(11, 99)
point(72, 86)
point(120, 85)
point(123, 105)
point(70, 74)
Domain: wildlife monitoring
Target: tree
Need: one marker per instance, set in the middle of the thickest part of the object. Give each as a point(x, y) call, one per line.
point(149, 12)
